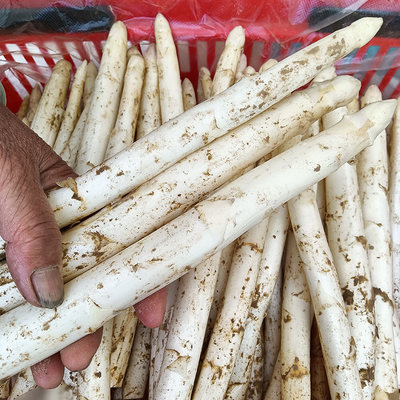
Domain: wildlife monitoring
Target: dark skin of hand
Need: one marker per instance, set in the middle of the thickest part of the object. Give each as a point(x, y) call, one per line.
point(29, 167)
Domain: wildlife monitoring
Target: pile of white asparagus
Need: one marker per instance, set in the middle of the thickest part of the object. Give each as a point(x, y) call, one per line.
point(261, 206)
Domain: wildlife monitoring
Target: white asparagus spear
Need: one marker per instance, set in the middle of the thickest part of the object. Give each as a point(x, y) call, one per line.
point(23, 108)
point(91, 73)
point(372, 170)
point(169, 81)
point(240, 67)
point(205, 83)
point(295, 327)
point(319, 381)
point(268, 64)
point(123, 134)
point(267, 277)
point(169, 252)
point(34, 100)
point(23, 384)
point(274, 388)
point(228, 61)
point(70, 150)
point(193, 285)
point(105, 99)
point(73, 109)
point(222, 278)
point(227, 332)
point(254, 391)
point(171, 105)
point(202, 124)
point(149, 114)
point(153, 354)
point(394, 190)
point(249, 71)
point(272, 331)
point(185, 338)
point(337, 343)
point(122, 339)
point(94, 381)
point(136, 376)
point(189, 96)
point(50, 110)
point(346, 236)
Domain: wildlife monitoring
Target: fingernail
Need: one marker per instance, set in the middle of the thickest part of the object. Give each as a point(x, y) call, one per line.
point(49, 286)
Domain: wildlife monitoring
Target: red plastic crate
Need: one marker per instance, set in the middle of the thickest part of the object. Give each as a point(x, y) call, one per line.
point(273, 29)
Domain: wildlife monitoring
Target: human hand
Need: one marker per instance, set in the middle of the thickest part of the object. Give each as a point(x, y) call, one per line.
point(29, 167)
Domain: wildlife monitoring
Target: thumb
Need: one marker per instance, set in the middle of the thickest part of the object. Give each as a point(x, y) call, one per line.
point(27, 222)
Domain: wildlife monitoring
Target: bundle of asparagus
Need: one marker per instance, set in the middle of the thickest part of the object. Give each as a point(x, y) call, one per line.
point(172, 203)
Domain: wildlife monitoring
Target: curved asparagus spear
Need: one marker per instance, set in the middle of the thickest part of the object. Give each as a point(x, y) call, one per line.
point(228, 61)
point(169, 81)
point(188, 94)
point(267, 277)
point(149, 114)
point(372, 170)
point(30, 334)
point(337, 343)
point(33, 103)
point(73, 109)
point(91, 73)
point(106, 95)
point(228, 330)
point(346, 235)
point(23, 108)
point(173, 191)
point(296, 324)
point(124, 130)
point(202, 124)
point(50, 109)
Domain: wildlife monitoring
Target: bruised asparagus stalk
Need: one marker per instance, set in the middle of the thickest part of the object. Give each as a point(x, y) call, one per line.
point(202, 124)
point(337, 343)
point(123, 133)
point(166, 254)
point(372, 169)
point(136, 377)
point(227, 332)
point(73, 109)
point(268, 274)
point(106, 95)
point(346, 235)
point(149, 113)
point(50, 109)
point(189, 96)
point(228, 61)
point(296, 323)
